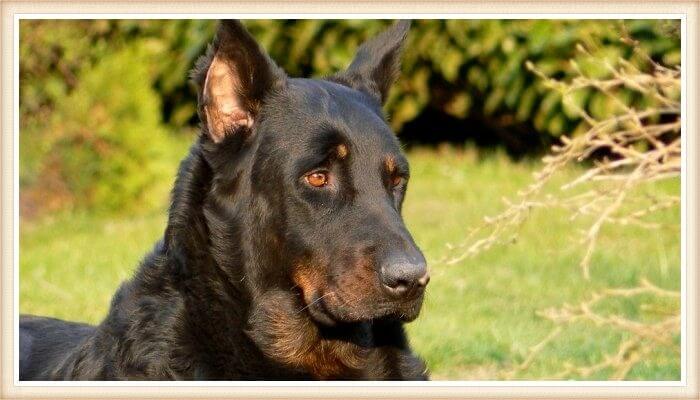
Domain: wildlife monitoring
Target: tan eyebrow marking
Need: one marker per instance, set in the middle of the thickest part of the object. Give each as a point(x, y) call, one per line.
point(342, 151)
point(390, 164)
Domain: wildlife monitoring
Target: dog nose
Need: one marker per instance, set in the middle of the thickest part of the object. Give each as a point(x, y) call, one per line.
point(402, 277)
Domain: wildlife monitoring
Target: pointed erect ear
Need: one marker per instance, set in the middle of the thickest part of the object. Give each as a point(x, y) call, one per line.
point(377, 63)
point(232, 80)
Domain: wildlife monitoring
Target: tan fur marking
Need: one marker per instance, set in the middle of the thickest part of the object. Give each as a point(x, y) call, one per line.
point(307, 281)
point(342, 151)
point(390, 164)
point(298, 342)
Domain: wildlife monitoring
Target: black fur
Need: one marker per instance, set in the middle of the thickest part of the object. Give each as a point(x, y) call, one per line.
point(260, 273)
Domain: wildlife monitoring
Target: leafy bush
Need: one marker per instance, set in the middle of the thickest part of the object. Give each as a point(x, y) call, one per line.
point(462, 67)
point(476, 67)
point(102, 144)
point(74, 73)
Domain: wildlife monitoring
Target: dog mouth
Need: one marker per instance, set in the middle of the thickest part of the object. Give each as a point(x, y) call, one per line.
point(329, 309)
point(318, 310)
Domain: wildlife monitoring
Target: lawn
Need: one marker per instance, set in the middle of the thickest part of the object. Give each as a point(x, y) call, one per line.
point(479, 317)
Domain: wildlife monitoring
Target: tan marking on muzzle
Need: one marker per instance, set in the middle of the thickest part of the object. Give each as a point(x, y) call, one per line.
point(308, 280)
point(298, 343)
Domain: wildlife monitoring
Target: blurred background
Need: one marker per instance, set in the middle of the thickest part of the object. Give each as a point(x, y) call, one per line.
point(107, 112)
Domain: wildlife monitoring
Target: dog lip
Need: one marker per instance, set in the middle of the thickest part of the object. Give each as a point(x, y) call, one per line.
point(321, 309)
point(319, 312)
point(410, 309)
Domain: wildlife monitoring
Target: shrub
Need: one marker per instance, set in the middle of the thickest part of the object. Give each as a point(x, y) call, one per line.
point(102, 144)
point(461, 67)
point(477, 67)
point(92, 90)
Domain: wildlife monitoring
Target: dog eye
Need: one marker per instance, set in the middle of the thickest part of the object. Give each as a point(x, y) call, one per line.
point(317, 179)
point(396, 180)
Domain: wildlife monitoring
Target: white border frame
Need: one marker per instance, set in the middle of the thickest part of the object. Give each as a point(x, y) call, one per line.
point(684, 192)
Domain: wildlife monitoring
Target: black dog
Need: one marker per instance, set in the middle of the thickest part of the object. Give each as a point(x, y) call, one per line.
point(285, 254)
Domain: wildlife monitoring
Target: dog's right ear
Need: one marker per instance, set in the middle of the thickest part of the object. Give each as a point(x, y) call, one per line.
point(377, 63)
point(232, 79)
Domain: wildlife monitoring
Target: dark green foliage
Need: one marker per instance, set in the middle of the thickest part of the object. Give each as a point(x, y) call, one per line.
point(121, 80)
point(475, 67)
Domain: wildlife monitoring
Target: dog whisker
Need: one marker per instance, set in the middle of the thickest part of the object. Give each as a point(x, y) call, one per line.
point(315, 301)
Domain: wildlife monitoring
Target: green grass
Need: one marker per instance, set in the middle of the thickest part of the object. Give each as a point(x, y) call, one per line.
point(479, 316)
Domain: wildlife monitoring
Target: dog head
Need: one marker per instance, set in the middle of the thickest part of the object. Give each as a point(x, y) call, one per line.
point(313, 176)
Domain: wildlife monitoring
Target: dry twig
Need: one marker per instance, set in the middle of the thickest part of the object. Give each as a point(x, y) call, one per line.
point(640, 146)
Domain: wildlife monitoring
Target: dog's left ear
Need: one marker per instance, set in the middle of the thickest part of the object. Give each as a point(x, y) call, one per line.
point(377, 63)
point(233, 79)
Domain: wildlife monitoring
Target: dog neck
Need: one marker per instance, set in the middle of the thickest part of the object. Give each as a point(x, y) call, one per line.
point(286, 334)
point(192, 242)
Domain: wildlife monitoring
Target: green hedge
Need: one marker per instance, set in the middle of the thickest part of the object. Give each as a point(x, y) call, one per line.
point(122, 80)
